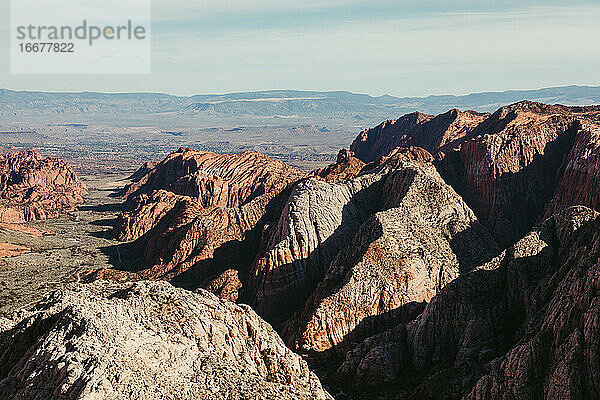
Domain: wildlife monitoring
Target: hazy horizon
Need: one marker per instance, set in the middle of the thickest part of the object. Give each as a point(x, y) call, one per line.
point(404, 49)
point(290, 90)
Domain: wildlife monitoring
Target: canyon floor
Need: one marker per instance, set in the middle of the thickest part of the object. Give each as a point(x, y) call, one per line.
point(68, 246)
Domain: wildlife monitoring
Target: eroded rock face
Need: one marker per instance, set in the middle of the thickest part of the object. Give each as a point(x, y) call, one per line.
point(507, 165)
point(318, 219)
point(216, 180)
point(380, 268)
point(196, 214)
point(418, 237)
point(432, 133)
point(36, 188)
point(508, 170)
point(147, 340)
point(225, 285)
point(580, 181)
point(524, 325)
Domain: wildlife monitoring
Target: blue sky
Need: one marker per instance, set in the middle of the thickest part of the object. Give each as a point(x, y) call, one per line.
point(403, 48)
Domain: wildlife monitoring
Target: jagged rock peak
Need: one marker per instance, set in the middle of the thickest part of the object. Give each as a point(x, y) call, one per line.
point(523, 325)
point(224, 180)
point(430, 132)
point(386, 242)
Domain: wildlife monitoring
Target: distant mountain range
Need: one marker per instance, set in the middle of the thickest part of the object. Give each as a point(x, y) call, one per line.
point(267, 106)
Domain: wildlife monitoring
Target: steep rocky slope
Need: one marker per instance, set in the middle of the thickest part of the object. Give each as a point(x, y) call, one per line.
point(225, 285)
point(580, 178)
point(382, 270)
point(413, 236)
point(524, 325)
point(507, 165)
point(427, 131)
point(196, 214)
point(146, 340)
point(35, 188)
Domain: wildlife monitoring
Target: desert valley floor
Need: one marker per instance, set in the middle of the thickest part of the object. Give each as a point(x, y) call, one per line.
point(59, 250)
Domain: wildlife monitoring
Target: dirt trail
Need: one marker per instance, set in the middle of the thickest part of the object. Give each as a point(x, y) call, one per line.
point(79, 242)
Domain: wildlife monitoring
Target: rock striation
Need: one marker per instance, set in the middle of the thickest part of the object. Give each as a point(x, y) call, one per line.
point(225, 285)
point(384, 270)
point(507, 165)
point(216, 180)
point(197, 214)
point(146, 340)
point(36, 188)
point(432, 133)
point(524, 325)
point(410, 235)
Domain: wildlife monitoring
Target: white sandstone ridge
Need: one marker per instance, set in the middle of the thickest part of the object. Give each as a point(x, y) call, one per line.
point(146, 340)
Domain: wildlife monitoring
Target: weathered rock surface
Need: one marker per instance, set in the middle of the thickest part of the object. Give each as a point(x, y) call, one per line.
point(216, 180)
point(147, 340)
point(507, 165)
point(318, 219)
point(415, 235)
point(381, 268)
point(36, 188)
point(225, 285)
point(508, 170)
point(580, 182)
point(432, 133)
point(197, 214)
point(524, 325)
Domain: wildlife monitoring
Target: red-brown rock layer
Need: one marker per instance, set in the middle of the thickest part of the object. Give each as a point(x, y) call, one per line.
point(216, 180)
point(580, 182)
point(197, 214)
point(416, 129)
point(507, 165)
point(225, 285)
point(418, 237)
point(36, 188)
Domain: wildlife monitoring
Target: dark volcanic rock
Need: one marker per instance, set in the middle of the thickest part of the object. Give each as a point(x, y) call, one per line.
point(35, 188)
point(147, 340)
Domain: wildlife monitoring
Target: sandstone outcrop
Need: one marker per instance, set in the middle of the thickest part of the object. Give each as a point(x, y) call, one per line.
point(196, 214)
point(432, 133)
point(524, 325)
point(36, 188)
point(411, 236)
point(507, 165)
point(580, 178)
point(225, 285)
point(147, 340)
point(216, 180)
point(508, 170)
